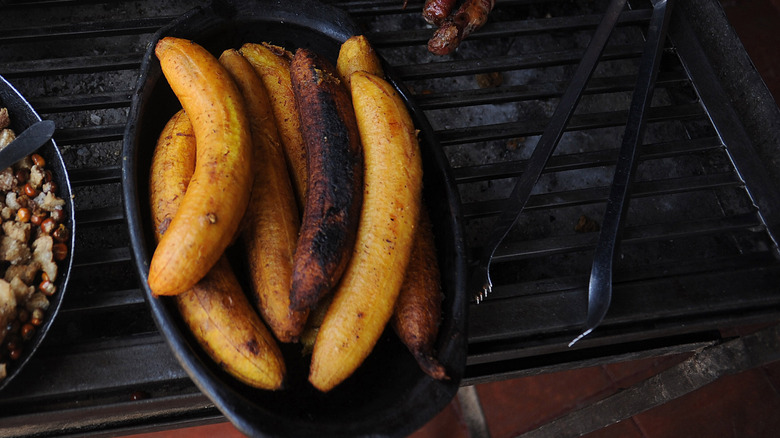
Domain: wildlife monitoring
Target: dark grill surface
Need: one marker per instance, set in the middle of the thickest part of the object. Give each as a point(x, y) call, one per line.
point(700, 245)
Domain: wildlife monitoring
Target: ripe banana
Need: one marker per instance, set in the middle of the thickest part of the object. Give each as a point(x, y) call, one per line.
point(357, 54)
point(218, 194)
point(272, 63)
point(418, 310)
point(335, 186)
point(366, 296)
point(271, 224)
point(215, 309)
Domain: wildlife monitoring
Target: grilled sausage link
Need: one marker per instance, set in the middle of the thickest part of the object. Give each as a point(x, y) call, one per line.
point(436, 11)
point(471, 16)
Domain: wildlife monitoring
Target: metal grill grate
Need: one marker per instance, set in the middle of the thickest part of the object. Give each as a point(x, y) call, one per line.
point(697, 255)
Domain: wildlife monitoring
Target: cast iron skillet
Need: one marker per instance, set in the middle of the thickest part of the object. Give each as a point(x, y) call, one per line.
point(23, 115)
point(388, 395)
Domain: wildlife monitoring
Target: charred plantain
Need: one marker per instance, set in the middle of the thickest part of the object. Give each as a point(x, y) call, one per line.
point(417, 313)
point(365, 298)
point(335, 178)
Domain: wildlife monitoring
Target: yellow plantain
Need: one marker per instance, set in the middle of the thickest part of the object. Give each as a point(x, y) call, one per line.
point(365, 298)
point(217, 196)
point(215, 309)
point(272, 63)
point(418, 310)
point(271, 224)
point(356, 54)
point(223, 321)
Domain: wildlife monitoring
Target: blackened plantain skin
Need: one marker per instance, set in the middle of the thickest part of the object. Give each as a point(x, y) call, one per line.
point(335, 187)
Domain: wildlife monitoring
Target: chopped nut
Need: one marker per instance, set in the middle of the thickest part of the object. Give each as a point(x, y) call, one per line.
point(17, 230)
point(14, 251)
point(6, 137)
point(37, 175)
point(5, 121)
point(42, 253)
point(7, 179)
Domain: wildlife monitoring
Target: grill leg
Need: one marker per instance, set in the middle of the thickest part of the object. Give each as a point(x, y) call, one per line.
point(472, 412)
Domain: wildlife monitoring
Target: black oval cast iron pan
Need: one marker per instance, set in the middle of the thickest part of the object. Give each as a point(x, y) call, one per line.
point(23, 115)
point(388, 395)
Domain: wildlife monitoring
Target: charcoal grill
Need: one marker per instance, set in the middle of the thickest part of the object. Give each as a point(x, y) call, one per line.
point(700, 247)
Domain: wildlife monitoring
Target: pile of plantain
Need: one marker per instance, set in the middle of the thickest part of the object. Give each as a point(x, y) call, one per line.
point(314, 172)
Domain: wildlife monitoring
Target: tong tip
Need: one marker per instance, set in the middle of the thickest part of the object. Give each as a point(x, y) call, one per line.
point(483, 293)
point(582, 335)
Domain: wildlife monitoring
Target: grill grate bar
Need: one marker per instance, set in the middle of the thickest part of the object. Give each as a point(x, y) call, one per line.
point(504, 63)
point(473, 210)
point(578, 122)
point(518, 93)
point(82, 102)
point(101, 216)
point(95, 176)
point(115, 300)
point(560, 163)
point(98, 257)
point(76, 64)
point(82, 30)
point(90, 134)
point(533, 248)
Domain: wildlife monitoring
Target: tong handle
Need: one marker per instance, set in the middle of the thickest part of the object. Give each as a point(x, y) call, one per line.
point(480, 278)
point(600, 286)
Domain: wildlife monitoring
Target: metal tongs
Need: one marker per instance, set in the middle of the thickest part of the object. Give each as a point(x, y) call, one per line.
point(480, 278)
point(600, 287)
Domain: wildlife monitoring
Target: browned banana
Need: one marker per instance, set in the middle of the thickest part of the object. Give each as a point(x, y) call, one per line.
point(417, 313)
point(335, 186)
point(271, 223)
point(272, 63)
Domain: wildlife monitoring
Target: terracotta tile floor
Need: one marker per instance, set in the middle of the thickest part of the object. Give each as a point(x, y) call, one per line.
point(742, 405)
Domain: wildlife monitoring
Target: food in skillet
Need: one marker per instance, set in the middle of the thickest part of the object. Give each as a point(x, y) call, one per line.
point(271, 225)
point(215, 309)
point(417, 312)
point(210, 213)
point(334, 192)
point(365, 298)
point(33, 239)
point(384, 208)
point(272, 64)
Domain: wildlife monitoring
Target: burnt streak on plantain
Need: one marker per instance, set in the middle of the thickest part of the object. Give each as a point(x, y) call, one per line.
point(335, 186)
